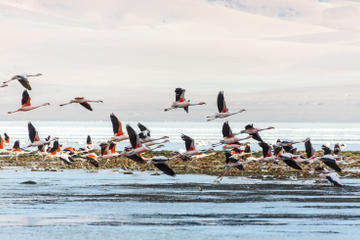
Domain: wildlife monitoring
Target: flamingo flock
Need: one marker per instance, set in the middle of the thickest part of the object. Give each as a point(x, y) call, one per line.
point(237, 151)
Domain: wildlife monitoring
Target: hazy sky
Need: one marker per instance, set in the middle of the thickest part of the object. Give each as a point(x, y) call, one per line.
point(281, 60)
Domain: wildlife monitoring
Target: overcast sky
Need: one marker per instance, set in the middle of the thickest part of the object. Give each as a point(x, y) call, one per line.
point(281, 60)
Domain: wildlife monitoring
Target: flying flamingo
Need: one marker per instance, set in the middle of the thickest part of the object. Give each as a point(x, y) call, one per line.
point(89, 144)
point(159, 162)
point(146, 138)
point(291, 160)
point(267, 155)
point(108, 150)
point(223, 110)
point(83, 102)
point(26, 105)
point(232, 162)
point(229, 136)
point(180, 101)
point(7, 139)
point(34, 137)
point(254, 132)
point(137, 146)
point(16, 150)
point(332, 177)
point(23, 79)
point(191, 150)
point(2, 150)
point(117, 129)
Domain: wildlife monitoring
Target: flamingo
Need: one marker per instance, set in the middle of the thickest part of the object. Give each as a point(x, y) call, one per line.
point(146, 138)
point(34, 137)
point(16, 150)
point(230, 163)
point(2, 150)
point(254, 132)
point(267, 155)
point(229, 136)
point(108, 150)
point(26, 105)
point(191, 150)
point(330, 161)
point(137, 146)
point(223, 110)
point(159, 162)
point(89, 144)
point(332, 177)
point(93, 159)
point(291, 160)
point(7, 139)
point(326, 149)
point(117, 129)
point(83, 102)
point(23, 79)
point(180, 101)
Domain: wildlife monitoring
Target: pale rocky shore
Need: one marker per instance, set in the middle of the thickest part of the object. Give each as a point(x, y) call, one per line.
point(210, 165)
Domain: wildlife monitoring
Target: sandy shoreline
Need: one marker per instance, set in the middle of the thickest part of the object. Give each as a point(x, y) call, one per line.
point(211, 165)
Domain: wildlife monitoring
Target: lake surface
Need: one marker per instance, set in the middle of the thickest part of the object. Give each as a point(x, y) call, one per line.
point(73, 133)
point(107, 204)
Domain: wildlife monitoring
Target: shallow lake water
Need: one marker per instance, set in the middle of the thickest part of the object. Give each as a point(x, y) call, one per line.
point(107, 204)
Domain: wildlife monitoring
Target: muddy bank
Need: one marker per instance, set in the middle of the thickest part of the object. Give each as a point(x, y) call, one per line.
point(211, 165)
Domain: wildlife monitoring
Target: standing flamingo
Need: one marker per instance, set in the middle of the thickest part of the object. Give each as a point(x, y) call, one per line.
point(23, 79)
point(180, 101)
point(83, 102)
point(223, 110)
point(26, 105)
point(117, 129)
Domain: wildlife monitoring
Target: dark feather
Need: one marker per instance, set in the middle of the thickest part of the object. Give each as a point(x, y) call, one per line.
point(16, 144)
point(220, 101)
point(331, 163)
point(165, 169)
point(336, 184)
point(179, 93)
point(24, 82)
point(136, 158)
point(189, 142)
point(226, 130)
point(25, 97)
point(292, 163)
point(266, 149)
point(86, 105)
point(115, 123)
point(32, 132)
point(310, 151)
point(256, 136)
point(132, 135)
